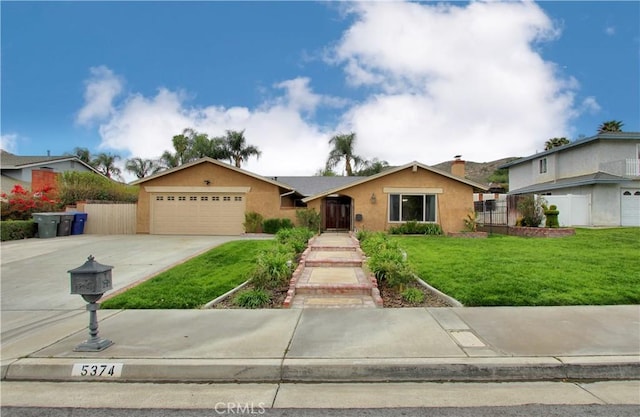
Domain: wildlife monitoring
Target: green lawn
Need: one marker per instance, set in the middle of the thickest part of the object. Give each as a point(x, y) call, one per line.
point(197, 281)
point(593, 267)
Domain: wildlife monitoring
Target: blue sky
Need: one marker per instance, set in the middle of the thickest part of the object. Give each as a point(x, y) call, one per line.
point(415, 81)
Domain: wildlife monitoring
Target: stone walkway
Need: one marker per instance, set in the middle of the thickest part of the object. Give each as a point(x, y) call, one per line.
point(330, 275)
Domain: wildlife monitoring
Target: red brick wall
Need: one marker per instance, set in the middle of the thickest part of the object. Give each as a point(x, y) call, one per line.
point(42, 178)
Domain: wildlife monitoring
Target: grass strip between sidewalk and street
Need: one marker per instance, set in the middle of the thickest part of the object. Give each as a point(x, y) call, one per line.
point(594, 267)
point(197, 281)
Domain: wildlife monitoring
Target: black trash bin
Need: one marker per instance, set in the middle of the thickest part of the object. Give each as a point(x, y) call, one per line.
point(79, 219)
point(64, 227)
point(47, 224)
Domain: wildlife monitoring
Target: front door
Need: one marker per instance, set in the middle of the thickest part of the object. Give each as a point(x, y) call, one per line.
point(338, 213)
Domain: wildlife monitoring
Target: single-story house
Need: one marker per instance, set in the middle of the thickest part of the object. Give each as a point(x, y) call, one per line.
point(208, 196)
point(37, 172)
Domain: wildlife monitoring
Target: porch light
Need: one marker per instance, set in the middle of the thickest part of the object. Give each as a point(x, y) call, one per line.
point(373, 198)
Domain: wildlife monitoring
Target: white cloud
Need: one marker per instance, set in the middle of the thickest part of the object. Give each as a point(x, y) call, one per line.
point(453, 80)
point(590, 105)
point(101, 89)
point(441, 80)
point(610, 30)
point(9, 142)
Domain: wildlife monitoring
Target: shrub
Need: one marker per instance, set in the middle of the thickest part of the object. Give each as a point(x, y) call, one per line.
point(76, 186)
point(20, 204)
point(384, 260)
point(296, 238)
point(273, 268)
point(18, 229)
point(310, 219)
point(370, 242)
point(255, 298)
point(551, 215)
point(272, 226)
point(253, 222)
point(530, 209)
point(413, 295)
point(471, 222)
point(399, 275)
point(415, 228)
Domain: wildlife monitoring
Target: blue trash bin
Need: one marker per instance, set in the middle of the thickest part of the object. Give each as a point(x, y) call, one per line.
point(77, 227)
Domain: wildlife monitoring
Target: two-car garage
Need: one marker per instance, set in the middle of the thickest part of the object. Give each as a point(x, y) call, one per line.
point(197, 213)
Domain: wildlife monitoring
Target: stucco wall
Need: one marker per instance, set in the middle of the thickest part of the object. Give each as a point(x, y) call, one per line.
point(263, 197)
point(453, 204)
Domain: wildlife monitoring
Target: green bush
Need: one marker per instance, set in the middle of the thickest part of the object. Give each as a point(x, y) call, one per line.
point(272, 226)
point(370, 242)
point(253, 222)
point(416, 228)
point(413, 295)
point(18, 229)
point(76, 186)
point(256, 298)
point(310, 219)
point(531, 210)
point(297, 238)
point(551, 215)
point(273, 268)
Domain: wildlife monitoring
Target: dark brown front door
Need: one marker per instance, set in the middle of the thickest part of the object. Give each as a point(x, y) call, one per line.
point(338, 214)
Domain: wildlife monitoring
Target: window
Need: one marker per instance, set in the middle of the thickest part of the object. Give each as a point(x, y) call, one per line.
point(215, 198)
point(237, 199)
point(226, 198)
point(543, 165)
point(159, 198)
point(193, 198)
point(204, 198)
point(171, 198)
point(412, 207)
point(182, 198)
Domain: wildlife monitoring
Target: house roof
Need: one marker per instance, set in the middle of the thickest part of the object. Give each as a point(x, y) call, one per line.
point(601, 136)
point(589, 179)
point(476, 186)
point(11, 161)
point(214, 162)
point(308, 186)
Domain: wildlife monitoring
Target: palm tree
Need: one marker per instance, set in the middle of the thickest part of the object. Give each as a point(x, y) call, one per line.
point(611, 126)
point(141, 167)
point(237, 149)
point(169, 160)
point(105, 164)
point(343, 149)
point(555, 142)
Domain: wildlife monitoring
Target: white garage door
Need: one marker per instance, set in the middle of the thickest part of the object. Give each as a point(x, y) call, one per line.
point(197, 213)
point(630, 208)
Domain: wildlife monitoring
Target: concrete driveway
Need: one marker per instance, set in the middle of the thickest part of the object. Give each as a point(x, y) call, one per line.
point(34, 271)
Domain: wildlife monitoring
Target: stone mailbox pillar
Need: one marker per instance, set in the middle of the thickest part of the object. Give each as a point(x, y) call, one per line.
point(91, 281)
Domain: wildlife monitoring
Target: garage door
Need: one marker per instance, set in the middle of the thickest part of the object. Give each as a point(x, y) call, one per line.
point(197, 213)
point(630, 208)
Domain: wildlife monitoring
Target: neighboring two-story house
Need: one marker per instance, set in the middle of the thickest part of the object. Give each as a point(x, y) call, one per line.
point(603, 169)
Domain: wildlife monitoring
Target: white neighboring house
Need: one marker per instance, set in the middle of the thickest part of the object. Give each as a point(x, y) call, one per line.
point(603, 169)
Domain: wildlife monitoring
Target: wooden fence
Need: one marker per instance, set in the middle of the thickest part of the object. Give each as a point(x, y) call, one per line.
point(109, 219)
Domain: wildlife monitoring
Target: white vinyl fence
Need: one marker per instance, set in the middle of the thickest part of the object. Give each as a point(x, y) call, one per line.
point(575, 210)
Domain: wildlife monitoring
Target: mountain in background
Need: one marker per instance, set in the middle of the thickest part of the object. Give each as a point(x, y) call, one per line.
point(482, 172)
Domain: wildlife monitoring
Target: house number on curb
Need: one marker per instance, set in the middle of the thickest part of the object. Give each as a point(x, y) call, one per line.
point(97, 370)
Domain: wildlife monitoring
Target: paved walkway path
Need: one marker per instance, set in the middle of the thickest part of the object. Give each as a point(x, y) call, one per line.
point(330, 275)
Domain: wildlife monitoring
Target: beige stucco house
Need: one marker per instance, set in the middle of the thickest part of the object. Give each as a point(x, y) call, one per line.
point(211, 197)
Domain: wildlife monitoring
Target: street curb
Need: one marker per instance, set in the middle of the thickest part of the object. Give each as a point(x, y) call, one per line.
point(275, 370)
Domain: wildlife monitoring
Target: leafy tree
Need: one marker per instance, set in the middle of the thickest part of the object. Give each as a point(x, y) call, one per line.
point(142, 167)
point(191, 145)
point(83, 154)
point(325, 172)
point(202, 146)
point(105, 163)
point(555, 142)
point(500, 176)
point(169, 160)
point(610, 126)
point(343, 145)
point(372, 167)
point(236, 148)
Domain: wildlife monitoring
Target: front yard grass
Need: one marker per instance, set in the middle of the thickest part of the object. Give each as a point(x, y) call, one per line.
point(197, 281)
point(594, 267)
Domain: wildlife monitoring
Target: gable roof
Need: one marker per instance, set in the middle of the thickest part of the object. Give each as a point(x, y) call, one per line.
point(308, 186)
point(589, 179)
point(214, 162)
point(476, 186)
point(601, 136)
point(11, 161)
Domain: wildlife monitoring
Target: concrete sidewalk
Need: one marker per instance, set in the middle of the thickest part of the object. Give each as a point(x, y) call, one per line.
point(345, 345)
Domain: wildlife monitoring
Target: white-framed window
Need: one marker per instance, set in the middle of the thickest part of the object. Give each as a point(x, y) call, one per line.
point(412, 207)
point(543, 165)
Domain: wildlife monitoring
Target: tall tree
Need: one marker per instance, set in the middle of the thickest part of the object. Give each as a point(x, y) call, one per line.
point(237, 149)
point(610, 126)
point(106, 164)
point(82, 154)
point(555, 142)
point(142, 167)
point(343, 150)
